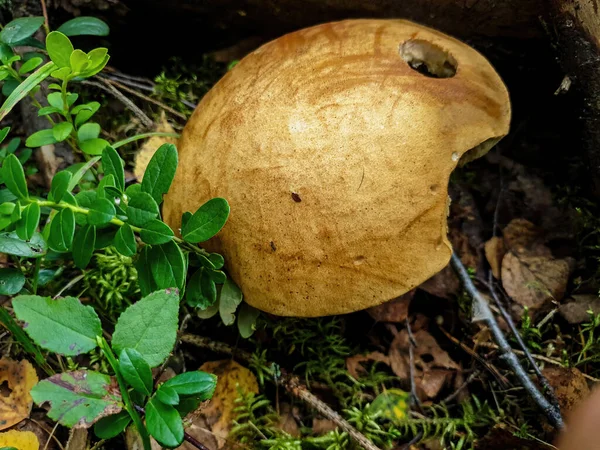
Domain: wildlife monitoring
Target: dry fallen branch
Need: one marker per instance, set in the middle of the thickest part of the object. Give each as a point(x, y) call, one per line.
point(290, 383)
point(508, 355)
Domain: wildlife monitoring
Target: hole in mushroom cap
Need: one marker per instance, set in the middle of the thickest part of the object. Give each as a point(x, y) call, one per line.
point(428, 58)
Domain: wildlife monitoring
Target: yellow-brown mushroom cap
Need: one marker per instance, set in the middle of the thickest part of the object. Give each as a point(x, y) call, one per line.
point(335, 154)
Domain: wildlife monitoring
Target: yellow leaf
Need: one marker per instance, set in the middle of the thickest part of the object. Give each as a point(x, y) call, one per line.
point(391, 404)
point(19, 377)
point(230, 376)
point(22, 440)
point(143, 156)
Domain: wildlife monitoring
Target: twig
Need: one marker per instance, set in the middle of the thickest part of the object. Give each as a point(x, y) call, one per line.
point(411, 356)
point(105, 86)
point(144, 97)
point(45, 14)
point(69, 285)
point(290, 383)
point(511, 325)
point(468, 381)
point(294, 387)
point(508, 354)
point(554, 362)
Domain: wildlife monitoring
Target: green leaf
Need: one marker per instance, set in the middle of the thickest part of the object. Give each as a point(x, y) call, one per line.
point(141, 209)
point(101, 211)
point(14, 177)
point(194, 382)
point(185, 218)
point(206, 221)
point(7, 208)
point(111, 426)
point(201, 291)
point(113, 165)
point(230, 298)
point(105, 237)
point(125, 241)
point(156, 232)
point(81, 171)
point(135, 371)
point(12, 245)
point(59, 49)
point(246, 322)
point(218, 276)
point(79, 61)
point(30, 219)
point(142, 265)
point(3, 133)
point(94, 146)
point(19, 29)
point(9, 87)
point(63, 326)
point(78, 398)
point(55, 99)
point(168, 266)
point(30, 65)
point(96, 67)
point(47, 110)
point(25, 87)
point(164, 423)
point(167, 395)
point(62, 74)
point(84, 25)
point(107, 181)
point(149, 326)
point(83, 245)
point(6, 53)
point(160, 172)
point(85, 113)
point(11, 281)
point(41, 138)
point(88, 131)
point(61, 131)
point(62, 230)
point(217, 260)
point(60, 185)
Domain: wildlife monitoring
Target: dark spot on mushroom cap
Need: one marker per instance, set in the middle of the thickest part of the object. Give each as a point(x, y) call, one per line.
point(273, 247)
point(296, 197)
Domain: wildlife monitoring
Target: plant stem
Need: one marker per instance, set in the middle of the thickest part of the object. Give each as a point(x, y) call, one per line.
point(137, 137)
point(508, 354)
point(36, 275)
point(129, 406)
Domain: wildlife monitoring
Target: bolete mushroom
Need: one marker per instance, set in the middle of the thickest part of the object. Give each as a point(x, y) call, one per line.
point(334, 146)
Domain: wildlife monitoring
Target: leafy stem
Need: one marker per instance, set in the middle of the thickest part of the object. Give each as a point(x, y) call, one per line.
point(129, 406)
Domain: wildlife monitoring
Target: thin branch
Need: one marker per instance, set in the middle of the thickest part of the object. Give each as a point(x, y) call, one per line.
point(511, 325)
point(291, 385)
point(507, 352)
point(106, 86)
point(411, 356)
point(45, 14)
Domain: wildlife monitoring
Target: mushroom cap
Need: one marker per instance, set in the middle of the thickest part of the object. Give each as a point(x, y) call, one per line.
point(334, 150)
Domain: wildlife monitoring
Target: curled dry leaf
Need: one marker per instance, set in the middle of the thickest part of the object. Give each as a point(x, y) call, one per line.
point(576, 310)
point(494, 252)
point(354, 363)
point(529, 272)
point(22, 440)
point(232, 378)
point(570, 386)
point(19, 377)
point(145, 154)
point(433, 366)
point(393, 311)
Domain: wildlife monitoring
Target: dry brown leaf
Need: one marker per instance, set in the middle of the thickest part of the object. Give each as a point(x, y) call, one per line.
point(576, 311)
point(20, 377)
point(395, 311)
point(521, 234)
point(22, 440)
point(323, 426)
point(534, 281)
point(287, 419)
point(494, 252)
point(354, 366)
point(433, 366)
point(143, 156)
point(219, 412)
point(570, 386)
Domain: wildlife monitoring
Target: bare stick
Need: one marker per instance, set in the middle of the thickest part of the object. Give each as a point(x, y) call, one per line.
point(291, 384)
point(106, 86)
point(507, 352)
point(45, 14)
point(511, 324)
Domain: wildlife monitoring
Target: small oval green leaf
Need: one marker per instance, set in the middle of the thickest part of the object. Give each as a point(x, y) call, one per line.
point(83, 245)
point(125, 241)
point(206, 221)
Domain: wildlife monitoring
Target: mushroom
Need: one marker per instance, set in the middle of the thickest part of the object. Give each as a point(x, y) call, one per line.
point(334, 146)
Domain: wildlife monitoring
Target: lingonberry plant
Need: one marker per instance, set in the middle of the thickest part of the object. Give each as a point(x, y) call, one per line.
point(89, 207)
